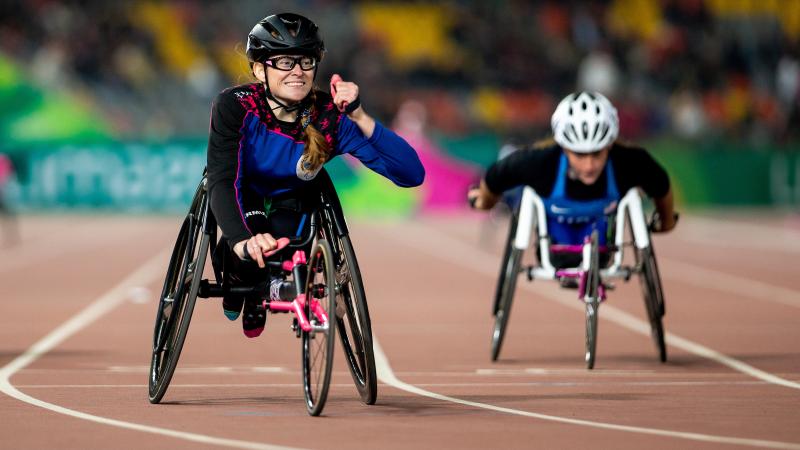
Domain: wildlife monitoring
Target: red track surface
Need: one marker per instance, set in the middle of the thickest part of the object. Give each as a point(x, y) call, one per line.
point(731, 284)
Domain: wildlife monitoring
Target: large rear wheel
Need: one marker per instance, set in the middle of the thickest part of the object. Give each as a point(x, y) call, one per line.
point(353, 321)
point(508, 286)
point(177, 300)
point(650, 280)
point(504, 268)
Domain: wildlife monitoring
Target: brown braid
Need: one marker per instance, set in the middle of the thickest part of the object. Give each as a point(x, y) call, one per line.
point(544, 143)
point(317, 149)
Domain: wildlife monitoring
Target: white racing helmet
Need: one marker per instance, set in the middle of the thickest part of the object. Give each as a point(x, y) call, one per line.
point(585, 122)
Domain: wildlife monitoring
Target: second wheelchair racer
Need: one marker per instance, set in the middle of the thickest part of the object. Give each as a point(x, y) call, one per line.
point(580, 174)
point(269, 140)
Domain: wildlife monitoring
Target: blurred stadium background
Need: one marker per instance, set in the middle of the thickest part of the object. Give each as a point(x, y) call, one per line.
point(105, 105)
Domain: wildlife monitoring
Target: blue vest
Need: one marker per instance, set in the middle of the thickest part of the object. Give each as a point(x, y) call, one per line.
point(570, 221)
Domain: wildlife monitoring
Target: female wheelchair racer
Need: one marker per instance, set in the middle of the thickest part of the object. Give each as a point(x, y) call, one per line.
point(573, 195)
point(267, 144)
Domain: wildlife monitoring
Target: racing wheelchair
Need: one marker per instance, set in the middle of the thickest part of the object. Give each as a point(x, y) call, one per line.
point(329, 300)
point(598, 265)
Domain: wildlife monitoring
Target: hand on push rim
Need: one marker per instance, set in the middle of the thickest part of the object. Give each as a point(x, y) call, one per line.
point(259, 247)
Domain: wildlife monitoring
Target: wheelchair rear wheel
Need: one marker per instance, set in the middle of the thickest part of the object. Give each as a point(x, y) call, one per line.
point(318, 343)
point(353, 321)
point(512, 232)
point(508, 286)
point(177, 301)
point(592, 300)
point(653, 297)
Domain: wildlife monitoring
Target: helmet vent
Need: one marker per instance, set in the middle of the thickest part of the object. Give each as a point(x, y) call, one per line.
point(585, 130)
point(583, 105)
point(273, 32)
point(571, 131)
point(605, 131)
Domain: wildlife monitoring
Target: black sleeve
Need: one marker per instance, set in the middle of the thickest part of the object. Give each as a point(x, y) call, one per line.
point(635, 167)
point(533, 167)
point(233, 217)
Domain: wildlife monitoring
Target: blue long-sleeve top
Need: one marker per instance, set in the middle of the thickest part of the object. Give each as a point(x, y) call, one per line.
point(253, 155)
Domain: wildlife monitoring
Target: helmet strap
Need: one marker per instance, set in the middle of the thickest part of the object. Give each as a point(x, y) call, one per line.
point(287, 108)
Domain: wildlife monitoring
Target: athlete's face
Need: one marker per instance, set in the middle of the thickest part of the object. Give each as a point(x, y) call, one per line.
point(587, 167)
point(288, 86)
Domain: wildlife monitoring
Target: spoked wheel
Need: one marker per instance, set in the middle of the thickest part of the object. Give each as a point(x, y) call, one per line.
point(504, 268)
point(177, 300)
point(592, 300)
point(353, 322)
point(508, 286)
point(318, 343)
point(653, 297)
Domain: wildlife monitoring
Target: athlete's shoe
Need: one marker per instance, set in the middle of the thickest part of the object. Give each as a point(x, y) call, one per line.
point(232, 306)
point(254, 317)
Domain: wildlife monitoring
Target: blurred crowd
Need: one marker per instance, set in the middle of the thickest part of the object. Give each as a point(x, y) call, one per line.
point(694, 69)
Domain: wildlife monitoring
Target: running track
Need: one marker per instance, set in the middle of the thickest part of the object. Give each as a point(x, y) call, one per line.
point(77, 299)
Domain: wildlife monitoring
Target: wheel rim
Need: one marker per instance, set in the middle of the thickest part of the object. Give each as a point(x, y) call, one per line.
point(506, 299)
point(166, 315)
point(355, 329)
point(318, 345)
point(653, 297)
point(178, 297)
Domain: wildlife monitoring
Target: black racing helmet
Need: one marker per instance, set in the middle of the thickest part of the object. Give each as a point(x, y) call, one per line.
point(285, 33)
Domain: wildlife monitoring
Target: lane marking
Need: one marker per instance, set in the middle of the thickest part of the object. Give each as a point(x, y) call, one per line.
point(727, 233)
point(147, 273)
point(82, 237)
point(730, 284)
point(348, 385)
point(427, 239)
point(204, 369)
point(386, 375)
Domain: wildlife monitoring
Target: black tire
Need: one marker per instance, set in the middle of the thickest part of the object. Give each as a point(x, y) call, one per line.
point(178, 297)
point(354, 325)
point(512, 232)
point(318, 344)
point(509, 284)
point(650, 280)
point(592, 300)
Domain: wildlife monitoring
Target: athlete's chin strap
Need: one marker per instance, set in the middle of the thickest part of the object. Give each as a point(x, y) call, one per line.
point(287, 108)
point(304, 115)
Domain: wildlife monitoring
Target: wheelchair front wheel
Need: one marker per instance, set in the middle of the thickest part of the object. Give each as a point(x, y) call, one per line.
point(507, 288)
point(318, 343)
point(353, 322)
point(650, 281)
point(176, 304)
point(592, 300)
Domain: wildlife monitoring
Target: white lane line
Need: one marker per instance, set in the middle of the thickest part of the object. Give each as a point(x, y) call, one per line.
point(729, 284)
point(84, 236)
point(427, 239)
point(728, 233)
point(348, 385)
point(386, 375)
point(147, 273)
